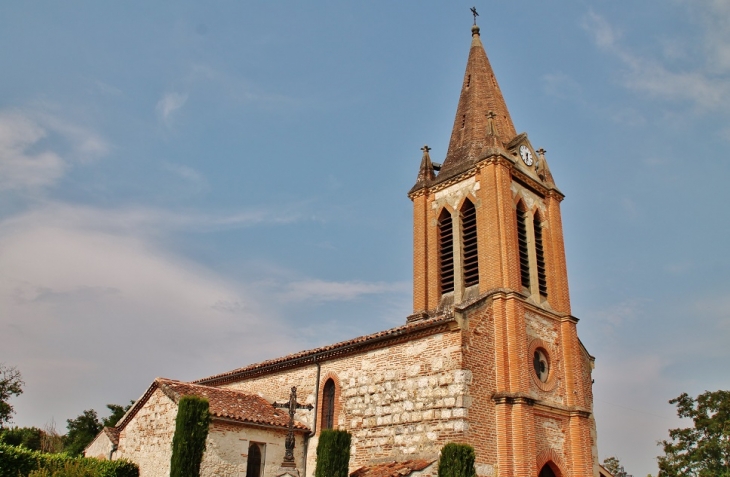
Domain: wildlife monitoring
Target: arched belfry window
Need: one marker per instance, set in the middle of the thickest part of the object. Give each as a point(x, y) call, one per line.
point(446, 251)
point(328, 404)
point(469, 240)
point(540, 256)
point(522, 244)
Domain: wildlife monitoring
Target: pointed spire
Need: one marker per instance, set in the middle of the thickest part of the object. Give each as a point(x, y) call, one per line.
point(425, 173)
point(480, 95)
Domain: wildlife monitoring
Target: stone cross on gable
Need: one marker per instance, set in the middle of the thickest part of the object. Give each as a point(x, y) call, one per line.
point(292, 406)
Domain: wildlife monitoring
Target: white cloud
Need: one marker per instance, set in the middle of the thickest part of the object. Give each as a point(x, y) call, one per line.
point(92, 313)
point(30, 141)
point(20, 168)
point(189, 175)
point(169, 104)
point(705, 84)
point(322, 290)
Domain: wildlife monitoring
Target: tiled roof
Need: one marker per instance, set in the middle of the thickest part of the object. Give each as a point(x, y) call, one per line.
point(392, 469)
point(381, 338)
point(230, 404)
point(224, 403)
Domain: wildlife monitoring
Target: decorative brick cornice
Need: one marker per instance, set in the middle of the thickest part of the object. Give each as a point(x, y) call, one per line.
point(543, 407)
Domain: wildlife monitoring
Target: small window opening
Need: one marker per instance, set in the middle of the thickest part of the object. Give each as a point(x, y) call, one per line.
point(463, 121)
point(522, 243)
point(469, 239)
point(540, 257)
point(446, 252)
point(328, 405)
point(468, 81)
point(253, 467)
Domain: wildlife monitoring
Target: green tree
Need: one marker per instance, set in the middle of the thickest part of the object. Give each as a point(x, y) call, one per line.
point(81, 431)
point(702, 450)
point(117, 412)
point(188, 442)
point(333, 453)
point(11, 384)
point(457, 460)
point(28, 437)
point(613, 465)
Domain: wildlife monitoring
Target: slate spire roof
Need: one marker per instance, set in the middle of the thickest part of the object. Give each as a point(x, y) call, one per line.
point(482, 118)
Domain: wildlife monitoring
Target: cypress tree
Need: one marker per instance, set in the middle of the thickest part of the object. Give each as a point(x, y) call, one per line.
point(191, 430)
point(333, 454)
point(457, 460)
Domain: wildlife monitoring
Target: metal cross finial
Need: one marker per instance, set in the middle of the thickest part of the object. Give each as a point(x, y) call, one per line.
point(292, 405)
point(474, 12)
point(425, 149)
point(541, 151)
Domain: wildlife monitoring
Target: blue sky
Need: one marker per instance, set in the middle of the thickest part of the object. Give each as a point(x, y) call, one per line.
point(189, 188)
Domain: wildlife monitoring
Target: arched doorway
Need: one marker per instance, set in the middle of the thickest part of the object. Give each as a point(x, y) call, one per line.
point(253, 468)
point(547, 471)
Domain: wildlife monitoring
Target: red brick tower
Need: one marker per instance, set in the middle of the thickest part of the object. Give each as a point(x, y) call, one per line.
point(488, 247)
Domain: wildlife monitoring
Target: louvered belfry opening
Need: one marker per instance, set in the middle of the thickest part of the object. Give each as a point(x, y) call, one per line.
point(469, 241)
point(522, 242)
point(328, 405)
point(540, 256)
point(446, 252)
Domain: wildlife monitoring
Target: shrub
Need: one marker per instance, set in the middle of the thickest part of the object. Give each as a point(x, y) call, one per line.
point(16, 461)
point(333, 454)
point(191, 430)
point(457, 460)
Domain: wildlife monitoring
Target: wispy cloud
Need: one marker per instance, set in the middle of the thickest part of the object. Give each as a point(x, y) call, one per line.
point(169, 104)
point(36, 148)
point(705, 84)
point(322, 290)
point(188, 174)
point(148, 221)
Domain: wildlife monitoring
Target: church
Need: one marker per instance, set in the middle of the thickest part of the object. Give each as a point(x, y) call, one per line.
point(490, 355)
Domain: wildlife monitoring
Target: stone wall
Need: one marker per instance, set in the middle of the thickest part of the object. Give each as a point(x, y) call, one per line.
point(147, 437)
point(226, 452)
point(100, 447)
point(403, 401)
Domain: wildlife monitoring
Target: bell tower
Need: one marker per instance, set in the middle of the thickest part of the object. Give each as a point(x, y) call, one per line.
point(488, 248)
point(489, 216)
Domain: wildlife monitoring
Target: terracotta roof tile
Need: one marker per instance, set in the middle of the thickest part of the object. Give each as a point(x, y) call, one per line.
point(392, 469)
point(230, 404)
point(338, 349)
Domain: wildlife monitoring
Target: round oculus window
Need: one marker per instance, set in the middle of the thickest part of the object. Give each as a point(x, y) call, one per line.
point(541, 364)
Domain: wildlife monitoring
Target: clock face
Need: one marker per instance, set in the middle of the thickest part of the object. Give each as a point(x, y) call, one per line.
point(526, 155)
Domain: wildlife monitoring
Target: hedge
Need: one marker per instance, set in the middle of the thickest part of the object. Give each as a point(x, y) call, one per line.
point(191, 430)
point(457, 460)
point(16, 461)
point(333, 454)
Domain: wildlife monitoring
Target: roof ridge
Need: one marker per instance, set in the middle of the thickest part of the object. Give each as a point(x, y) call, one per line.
point(391, 333)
